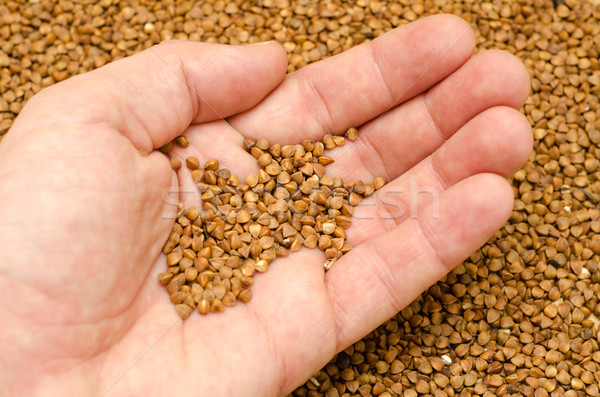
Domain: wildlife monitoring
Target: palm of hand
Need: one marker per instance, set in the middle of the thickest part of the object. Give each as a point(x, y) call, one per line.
point(82, 251)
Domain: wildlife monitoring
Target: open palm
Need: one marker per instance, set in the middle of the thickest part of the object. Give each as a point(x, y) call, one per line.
point(83, 216)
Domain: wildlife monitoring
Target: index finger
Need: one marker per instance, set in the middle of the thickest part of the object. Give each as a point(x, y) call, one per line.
point(353, 87)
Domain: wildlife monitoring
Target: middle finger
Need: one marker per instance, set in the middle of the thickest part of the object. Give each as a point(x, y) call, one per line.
point(392, 144)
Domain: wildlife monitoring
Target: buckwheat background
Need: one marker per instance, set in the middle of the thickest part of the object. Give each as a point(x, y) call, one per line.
point(520, 316)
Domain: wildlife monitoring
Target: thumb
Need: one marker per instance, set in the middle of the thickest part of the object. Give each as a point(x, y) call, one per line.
point(153, 96)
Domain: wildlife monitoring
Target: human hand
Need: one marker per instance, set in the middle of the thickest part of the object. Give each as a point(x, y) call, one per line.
point(84, 216)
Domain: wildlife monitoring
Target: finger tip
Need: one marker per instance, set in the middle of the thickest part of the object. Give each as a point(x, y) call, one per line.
point(521, 80)
point(456, 27)
point(470, 213)
point(492, 199)
point(517, 81)
point(275, 54)
point(513, 138)
point(475, 208)
point(485, 210)
point(447, 34)
point(498, 140)
point(522, 136)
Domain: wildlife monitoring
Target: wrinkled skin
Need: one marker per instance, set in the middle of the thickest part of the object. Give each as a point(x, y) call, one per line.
point(83, 216)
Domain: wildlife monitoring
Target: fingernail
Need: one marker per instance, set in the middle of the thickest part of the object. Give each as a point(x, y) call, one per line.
point(261, 43)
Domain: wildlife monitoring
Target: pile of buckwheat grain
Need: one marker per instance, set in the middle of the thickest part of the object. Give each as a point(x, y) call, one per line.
point(242, 226)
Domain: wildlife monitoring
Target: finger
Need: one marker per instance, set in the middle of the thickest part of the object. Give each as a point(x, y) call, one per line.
point(390, 145)
point(361, 83)
point(153, 96)
point(380, 277)
point(498, 141)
